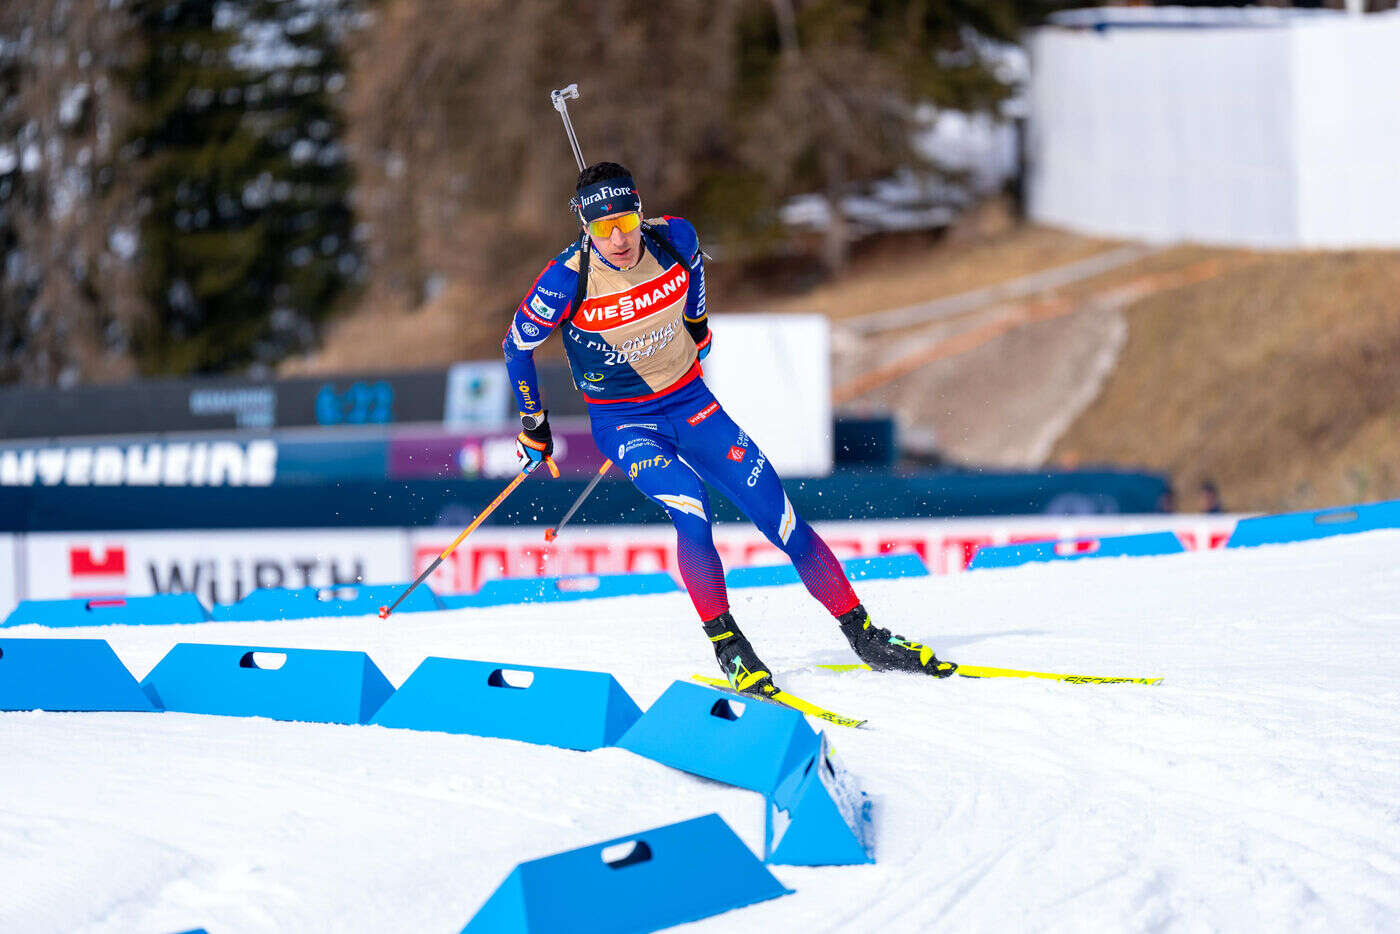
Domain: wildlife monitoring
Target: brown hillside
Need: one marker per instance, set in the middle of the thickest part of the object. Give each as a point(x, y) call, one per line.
point(1279, 379)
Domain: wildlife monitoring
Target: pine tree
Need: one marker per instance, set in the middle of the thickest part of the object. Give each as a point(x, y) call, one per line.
point(247, 242)
point(69, 296)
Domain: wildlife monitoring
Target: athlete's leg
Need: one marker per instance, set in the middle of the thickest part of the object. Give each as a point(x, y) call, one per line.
point(727, 457)
point(649, 460)
point(648, 456)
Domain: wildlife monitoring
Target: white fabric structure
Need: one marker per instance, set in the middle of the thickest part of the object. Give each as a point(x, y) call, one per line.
point(1272, 136)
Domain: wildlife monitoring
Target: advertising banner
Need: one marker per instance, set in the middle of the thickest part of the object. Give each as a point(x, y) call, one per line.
point(478, 397)
point(223, 566)
point(484, 454)
point(218, 566)
point(165, 463)
point(946, 546)
point(218, 404)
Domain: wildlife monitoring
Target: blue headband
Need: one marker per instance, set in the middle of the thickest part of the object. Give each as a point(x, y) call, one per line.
point(610, 196)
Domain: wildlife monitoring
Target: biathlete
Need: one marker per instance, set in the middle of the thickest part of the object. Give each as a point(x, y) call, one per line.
point(628, 298)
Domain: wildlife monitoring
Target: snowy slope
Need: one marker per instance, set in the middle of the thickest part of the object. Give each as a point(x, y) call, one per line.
point(1258, 788)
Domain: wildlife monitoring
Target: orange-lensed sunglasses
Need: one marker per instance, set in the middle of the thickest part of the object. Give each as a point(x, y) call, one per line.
point(603, 227)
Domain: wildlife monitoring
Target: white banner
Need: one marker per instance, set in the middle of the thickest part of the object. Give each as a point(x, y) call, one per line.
point(9, 589)
point(761, 359)
point(946, 545)
point(478, 396)
point(167, 463)
point(223, 566)
point(1280, 136)
point(220, 566)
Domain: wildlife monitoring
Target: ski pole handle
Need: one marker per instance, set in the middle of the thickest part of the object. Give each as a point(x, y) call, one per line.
point(560, 99)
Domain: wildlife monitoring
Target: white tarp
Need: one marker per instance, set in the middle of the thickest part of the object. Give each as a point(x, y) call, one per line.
point(772, 374)
point(1279, 137)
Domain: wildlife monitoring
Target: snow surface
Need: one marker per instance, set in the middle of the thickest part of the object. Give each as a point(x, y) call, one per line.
point(1258, 788)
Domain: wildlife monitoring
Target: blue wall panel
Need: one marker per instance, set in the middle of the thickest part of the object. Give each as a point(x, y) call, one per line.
point(508, 590)
point(658, 879)
point(316, 685)
point(66, 674)
point(552, 706)
point(1322, 523)
point(272, 603)
point(1113, 546)
point(873, 567)
point(162, 609)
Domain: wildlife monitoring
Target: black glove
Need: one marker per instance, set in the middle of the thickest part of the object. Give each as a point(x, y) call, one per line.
point(535, 441)
point(700, 333)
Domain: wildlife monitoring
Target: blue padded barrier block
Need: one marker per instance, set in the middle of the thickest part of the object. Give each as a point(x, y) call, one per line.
point(161, 609)
point(1076, 549)
point(666, 876)
point(818, 817)
point(763, 575)
point(885, 567)
point(270, 603)
point(504, 591)
point(873, 567)
point(316, 685)
point(1323, 523)
point(749, 743)
point(558, 707)
point(66, 674)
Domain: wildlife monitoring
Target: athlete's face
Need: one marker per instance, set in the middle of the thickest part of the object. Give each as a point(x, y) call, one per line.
point(623, 250)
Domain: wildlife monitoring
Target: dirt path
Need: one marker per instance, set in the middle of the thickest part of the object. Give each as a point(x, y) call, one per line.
point(999, 385)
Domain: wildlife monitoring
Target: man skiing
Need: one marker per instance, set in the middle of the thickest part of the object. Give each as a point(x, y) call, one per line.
point(628, 298)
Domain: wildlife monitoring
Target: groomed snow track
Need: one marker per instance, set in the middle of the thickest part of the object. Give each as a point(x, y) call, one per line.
point(1256, 788)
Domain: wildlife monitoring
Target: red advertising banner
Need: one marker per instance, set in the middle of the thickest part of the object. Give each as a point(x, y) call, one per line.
point(946, 546)
point(223, 566)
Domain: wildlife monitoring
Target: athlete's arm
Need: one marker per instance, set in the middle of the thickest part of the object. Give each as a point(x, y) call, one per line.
point(687, 243)
point(535, 318)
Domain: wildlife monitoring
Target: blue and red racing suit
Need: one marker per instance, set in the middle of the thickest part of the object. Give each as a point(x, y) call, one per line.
point(637, 366)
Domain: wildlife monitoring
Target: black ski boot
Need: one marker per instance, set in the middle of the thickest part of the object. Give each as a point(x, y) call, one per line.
point(741, 665)
point(883, 651)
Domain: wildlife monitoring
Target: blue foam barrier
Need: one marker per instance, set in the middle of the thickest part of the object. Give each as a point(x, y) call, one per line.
point(1322, 523)
point(818, 817)
point(551, 706)
point(158, 610)
point(66, 674)
point(749, 743)
point(873, 567)
point(885, 567)
point(1076, 549)
point(316, 685)
point(504, 591)
point(644, 882)
point(271, 603)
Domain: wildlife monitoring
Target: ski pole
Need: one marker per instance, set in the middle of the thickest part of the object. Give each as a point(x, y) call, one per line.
point(384, 611)
point(560, 99)
point(551, 533)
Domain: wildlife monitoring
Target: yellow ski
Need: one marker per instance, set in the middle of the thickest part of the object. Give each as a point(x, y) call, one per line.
point(786, 699)
point(978, 671)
